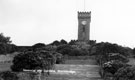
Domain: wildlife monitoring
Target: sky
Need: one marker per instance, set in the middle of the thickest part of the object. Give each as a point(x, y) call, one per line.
point(43, 21)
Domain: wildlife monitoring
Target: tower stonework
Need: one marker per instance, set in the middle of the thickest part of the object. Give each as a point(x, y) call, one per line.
point(84, 19)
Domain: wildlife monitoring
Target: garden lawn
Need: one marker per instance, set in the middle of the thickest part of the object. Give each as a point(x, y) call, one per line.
point(5, 66)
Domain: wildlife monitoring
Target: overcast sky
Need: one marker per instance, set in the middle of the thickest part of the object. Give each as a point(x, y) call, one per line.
point(32, 21)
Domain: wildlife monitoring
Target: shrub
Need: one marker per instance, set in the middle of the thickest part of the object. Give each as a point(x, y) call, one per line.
point(38, 45)
point(8, 75)
point(64, 49)
point(63, 41)
point(125, 73)
point(78, 52)
point(117, 56)
point(56, 43)
point(59, 58)
point(102, 50)
point(112, 66)
point(32, 60)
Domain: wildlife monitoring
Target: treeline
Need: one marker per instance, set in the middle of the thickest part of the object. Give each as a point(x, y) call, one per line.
point(74, 47)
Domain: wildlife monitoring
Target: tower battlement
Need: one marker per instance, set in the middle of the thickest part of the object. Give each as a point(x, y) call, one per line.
point(84, 15)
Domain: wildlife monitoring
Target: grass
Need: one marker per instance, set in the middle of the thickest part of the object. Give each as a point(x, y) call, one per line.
point(5, 66)
point(83, 62)
point(81, 67)
point(68, 65)
point(131, 61)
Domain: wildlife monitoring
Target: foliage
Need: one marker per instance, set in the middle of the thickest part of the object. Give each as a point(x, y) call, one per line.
point(75, 52)
point(50, 48)
point(5, 44)
point(102, 50)
point(78, 52)
point(117, 56)
point(112, 66)
point(78, 49)
point(7, 75)
point(4, 39)
point(32, 60)
point(128, 51)
point(4, 48)
point(64, 49)
point(134, 51)
point(72, 42)
point(63, 41)
point(125, 73)
point(111, 57)
point(56, 43)
point(13, 48)
point(38, 45)
point(47, 60)
point(59, 58)
point(27, 75)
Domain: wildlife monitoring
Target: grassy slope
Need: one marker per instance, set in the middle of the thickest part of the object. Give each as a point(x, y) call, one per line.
point(82, 68)
point(5, 66)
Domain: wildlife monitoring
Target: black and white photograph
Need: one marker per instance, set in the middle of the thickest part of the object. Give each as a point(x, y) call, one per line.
point(67, 40)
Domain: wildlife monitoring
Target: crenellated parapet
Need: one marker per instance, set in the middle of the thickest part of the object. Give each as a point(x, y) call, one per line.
point(82, 15)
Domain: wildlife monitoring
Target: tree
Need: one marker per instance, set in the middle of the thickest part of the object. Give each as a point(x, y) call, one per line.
point(4, 39)
point(5, 44)
point(55, 43)
point(125, 73)
point(38, 45)
point(8, 75)
point(134, 51)
point(32, 60)
point(50, 48)
point(112, 66)
point(59, 58)
point(78, 52)
point(117, 56)
point(102, 50)
point(13, 48)
point(72, 42)
point(64, 49)
point(63, 41)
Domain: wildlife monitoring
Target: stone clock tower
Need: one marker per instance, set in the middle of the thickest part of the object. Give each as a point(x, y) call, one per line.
point(84, 19)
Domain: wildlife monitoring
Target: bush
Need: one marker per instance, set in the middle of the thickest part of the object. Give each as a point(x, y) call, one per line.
point(59, 58)
point(117, 56)
point(5, 44)
point(78, 52)
point(103, 49)
point(7, 75)
point(27, 75)
point(112, 66)
point(49, 48)
point(55, 43)
point(125, 73)
point(64, 49)
point(38, 45)
point(63, 41)
point(32, 60)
